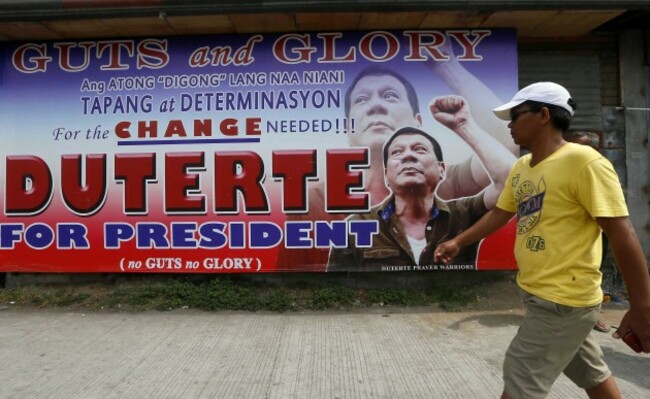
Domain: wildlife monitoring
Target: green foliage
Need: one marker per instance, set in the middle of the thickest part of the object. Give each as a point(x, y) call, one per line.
point(455, 298)
point(398, 297)
point(223, 294)
point(228, 293)
point(278, 300)
point(331, 296)
point(34, 296)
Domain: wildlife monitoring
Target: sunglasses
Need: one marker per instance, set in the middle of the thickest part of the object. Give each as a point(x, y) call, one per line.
point(514, 114)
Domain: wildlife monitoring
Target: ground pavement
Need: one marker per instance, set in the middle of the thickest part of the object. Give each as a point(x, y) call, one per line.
point(375, 353)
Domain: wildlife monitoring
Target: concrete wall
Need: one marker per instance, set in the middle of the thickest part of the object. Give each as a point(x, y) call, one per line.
point(635, 101)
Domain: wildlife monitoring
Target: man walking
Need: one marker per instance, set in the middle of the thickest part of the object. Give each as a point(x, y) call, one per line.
point(563, 195)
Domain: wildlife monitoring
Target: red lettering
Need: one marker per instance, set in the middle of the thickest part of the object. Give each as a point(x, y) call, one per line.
point(175, 128)
point(135, 171)
point(83, 198)
point(152, 53)
point(202, 127)
point(243, 172)
point(294, 168)
point(429, 41)
point(390, 41)
point(244, 54)
point(26, 63)
point(65, 55)
point(114, 54)
point(122, 129)
point(469, 45)
point(149, 129)
point(253, 126)
point(282, 53)
point(329, 49)
point(199, 57)
point(199, 128)
point(28, 185)
point(228, 127)
point(179, 184)
point(225, 55)
point(341, 196)
point(221, 55)
point(238, 176)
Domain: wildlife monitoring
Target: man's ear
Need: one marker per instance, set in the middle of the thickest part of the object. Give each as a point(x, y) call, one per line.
point(418, 117)
point(546, 114)
point(443, 169)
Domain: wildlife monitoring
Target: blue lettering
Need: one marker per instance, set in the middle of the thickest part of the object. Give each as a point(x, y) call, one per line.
point(264, 235)
point(212, 235)
point(183, 235)
point(115, 233)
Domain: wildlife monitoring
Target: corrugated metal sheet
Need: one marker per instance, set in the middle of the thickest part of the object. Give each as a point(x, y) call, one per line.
point(580, 74)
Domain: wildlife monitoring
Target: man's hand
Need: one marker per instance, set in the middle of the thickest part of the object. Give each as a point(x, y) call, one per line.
point(446, 251)
point(451, 111)
point(637, 321)
point(632, 263)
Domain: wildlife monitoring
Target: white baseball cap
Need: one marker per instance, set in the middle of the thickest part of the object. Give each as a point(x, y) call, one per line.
point(543, 92)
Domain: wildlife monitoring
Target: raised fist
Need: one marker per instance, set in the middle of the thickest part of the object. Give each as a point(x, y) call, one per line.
point(451, 111)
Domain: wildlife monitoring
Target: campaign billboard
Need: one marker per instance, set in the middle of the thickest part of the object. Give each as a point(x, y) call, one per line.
point(253, 153)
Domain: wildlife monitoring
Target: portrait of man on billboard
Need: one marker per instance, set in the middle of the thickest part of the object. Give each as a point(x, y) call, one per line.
point(412, 220)
point(380, 101)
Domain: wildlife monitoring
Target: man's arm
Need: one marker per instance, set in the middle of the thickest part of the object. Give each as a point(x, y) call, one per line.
point(481, 98)
point(454, 113)
point(488, 224)
point(630, 259)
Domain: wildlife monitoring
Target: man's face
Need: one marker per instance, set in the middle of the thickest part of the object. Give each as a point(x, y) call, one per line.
point(523, 125)
point(412, 163)
point(379, 106)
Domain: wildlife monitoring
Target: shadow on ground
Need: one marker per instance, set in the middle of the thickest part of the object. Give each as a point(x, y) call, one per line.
point(490, 320)
point(625, 366)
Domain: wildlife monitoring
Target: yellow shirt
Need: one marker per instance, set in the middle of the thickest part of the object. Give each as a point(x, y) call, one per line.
point(558, 245)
